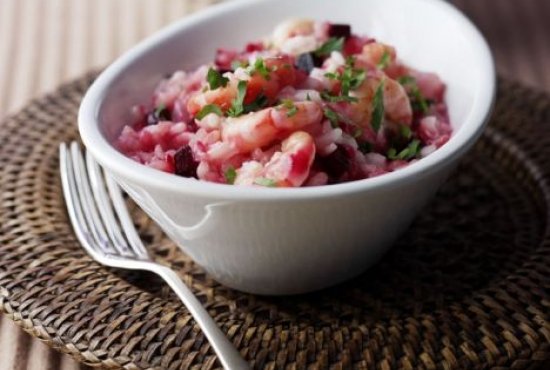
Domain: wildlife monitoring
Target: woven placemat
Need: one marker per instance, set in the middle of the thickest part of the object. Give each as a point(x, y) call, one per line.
point(465, 288)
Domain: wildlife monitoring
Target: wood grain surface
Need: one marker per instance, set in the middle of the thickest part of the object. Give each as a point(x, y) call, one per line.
point(46, 42)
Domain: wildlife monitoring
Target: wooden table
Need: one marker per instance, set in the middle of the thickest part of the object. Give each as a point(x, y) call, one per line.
point(46, 42)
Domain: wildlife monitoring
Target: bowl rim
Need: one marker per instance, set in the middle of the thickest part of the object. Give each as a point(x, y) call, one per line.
point(117, 163)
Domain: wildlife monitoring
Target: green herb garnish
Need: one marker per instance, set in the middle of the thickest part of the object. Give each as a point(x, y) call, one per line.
point(230, 175)
point(258, 103)
point(409, 152)
point(406, 80)
point(159, 109)
point(327, 96)
point(332, 116)
point(350, 79)
point(261, 68)
point(292, 109)
point(215, 79)
point(405, 131)
point(365, 147)
point(265, 182)
point(237, 107)
point(358, 132)
point(392, 153)
point(332, 75)
point(418, 101)
point(378, 110)
point(207, 109)
point(384, 60)
point(332, 44)
point(238, 64)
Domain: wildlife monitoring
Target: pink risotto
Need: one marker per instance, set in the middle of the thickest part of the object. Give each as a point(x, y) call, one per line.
point(313, 104)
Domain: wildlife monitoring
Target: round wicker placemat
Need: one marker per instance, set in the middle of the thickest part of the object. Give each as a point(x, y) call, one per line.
point(465, 288)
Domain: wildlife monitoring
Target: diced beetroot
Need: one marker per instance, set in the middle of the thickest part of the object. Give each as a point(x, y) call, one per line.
point(254, 46)
point(354, 45)
point(301, 77)
point(184, 163)
point(164, 135)
point(340, 30)
point(282, 68)
point(336, 163)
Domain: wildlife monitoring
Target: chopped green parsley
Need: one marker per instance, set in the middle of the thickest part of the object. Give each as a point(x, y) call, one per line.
point(378, 108)
point(405, 131)
point(358, 132)
point(418, 102)
point(292, 109)
point(410, 152)
point(327, 96)
point(207, 109)
point(259, 103)
point(238, 64)
point(332, 116)
point(332, 44)
point(365, 147)
point(215, 79)
point(384, 60)
point(350, 79)
point(237, 107)
point(230, 175)
point(262, 181)
point(261, 68)
point(159, 109)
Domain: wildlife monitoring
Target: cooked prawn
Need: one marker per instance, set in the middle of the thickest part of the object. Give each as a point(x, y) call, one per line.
point(288, 167)
point(258, 129)
point(397, 106)
point(280, 73)
point(292, 28)
point(374, 53)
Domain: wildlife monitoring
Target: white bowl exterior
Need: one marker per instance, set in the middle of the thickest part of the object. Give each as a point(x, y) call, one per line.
point(286, 247)
point(276, 241)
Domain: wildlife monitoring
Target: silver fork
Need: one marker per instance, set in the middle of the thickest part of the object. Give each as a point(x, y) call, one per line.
point(91, 213)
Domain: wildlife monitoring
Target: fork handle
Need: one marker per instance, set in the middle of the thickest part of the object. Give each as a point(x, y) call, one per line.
point(228, 355)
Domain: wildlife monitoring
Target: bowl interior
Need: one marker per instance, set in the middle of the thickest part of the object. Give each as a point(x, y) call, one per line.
point(430, 35)
point(426, 34)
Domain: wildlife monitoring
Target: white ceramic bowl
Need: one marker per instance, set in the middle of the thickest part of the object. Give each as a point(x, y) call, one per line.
point(285, 241)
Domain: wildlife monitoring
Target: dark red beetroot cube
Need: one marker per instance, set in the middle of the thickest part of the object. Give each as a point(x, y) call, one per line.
point(335, 164)
point(339, 30)
point(184, 163)
point(254, 46)
point(354, 45)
